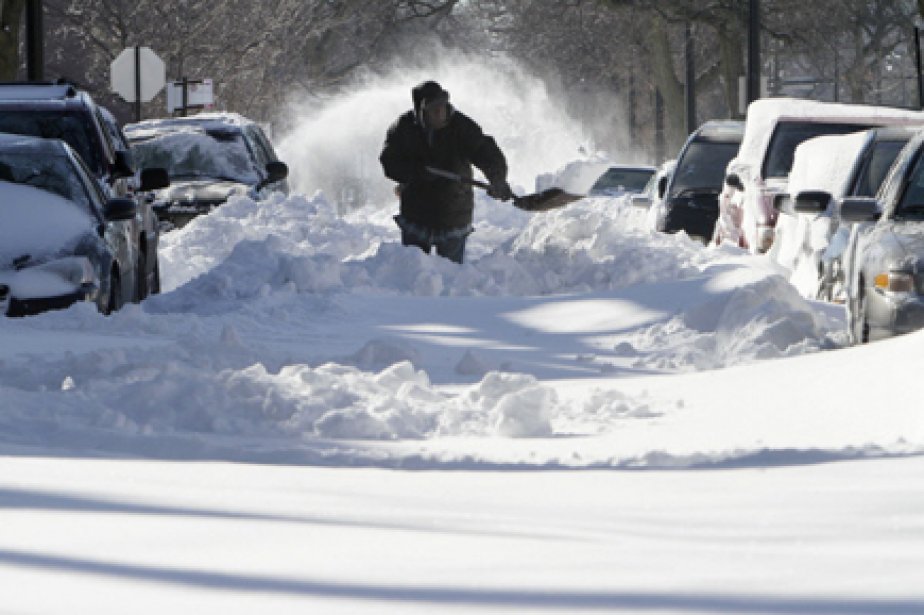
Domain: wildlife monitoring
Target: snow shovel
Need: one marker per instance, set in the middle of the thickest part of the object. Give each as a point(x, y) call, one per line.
point(551, 198)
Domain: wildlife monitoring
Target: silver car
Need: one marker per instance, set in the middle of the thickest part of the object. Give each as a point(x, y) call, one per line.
point(884, 259)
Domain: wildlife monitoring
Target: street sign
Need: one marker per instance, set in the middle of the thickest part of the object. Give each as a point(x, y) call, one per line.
point(199, 95)
point(138, 74)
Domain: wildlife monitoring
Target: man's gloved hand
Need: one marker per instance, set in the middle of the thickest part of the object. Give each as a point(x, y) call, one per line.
point(500, 190)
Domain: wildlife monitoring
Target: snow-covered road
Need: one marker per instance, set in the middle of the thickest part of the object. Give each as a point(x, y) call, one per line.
point(314, 417)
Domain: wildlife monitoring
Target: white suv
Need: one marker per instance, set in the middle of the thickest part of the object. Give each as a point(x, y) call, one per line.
point(773, 129)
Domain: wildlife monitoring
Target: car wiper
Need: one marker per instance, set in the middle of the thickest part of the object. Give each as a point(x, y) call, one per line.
point(695, 191)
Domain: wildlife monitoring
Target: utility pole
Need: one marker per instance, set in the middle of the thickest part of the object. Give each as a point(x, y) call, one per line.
point(660, 147)
point(753, 79)
point(690, 80)
point(35, 41)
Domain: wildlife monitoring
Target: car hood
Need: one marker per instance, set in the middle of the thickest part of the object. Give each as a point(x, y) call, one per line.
point(37, 224)
point(910, 238)
point(202, 190)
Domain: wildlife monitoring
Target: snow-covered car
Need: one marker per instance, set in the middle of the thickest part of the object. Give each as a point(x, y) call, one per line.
point(651, 198)
point(810, 240)
point(690, 200)
point(885, 264)
point(62, 111)
point(760, 171)
point(622, 179)
point(62, 239)
point(147, 228)
point(209, 157)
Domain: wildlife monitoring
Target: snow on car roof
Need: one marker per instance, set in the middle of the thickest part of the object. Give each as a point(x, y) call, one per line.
point(765, 113)
point(36, 91)
point(201, 121)
point(826, 163)
point(731, 130)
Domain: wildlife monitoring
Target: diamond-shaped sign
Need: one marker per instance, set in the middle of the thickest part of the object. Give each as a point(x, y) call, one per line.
point(153, 73)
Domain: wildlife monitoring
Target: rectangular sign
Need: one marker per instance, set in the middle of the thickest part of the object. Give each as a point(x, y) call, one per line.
point(199, 95)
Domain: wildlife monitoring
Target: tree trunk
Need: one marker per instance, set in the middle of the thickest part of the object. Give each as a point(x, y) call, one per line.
point(731, 52)
point(667, 83)
point(11, 12)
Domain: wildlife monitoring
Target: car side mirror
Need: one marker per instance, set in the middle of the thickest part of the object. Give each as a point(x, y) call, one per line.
point(734, 180)
point(276, 171)
point(120, 209)
point(662, 187)
point(641, 201)
point(154, 179)
point(782, 202)
point(812, 202)
point(122, 165)
point(860, 209)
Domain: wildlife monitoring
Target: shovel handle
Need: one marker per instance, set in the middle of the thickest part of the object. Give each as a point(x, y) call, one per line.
point(456, 177)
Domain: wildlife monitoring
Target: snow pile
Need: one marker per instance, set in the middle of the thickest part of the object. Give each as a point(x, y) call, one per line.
point(741, 319)
point(246, 250)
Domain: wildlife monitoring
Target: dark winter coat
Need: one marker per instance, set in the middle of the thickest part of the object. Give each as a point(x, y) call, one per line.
point(435, 202)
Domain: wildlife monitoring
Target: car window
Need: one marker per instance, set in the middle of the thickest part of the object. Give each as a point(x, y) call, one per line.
point(702, 166)
point(50, 172)
point(630, 180)
point(194, 153)
point(788, 135)
point(74, 129)
point(912, 201)
point(98, 197)
point(259, 151)
point(876, 166)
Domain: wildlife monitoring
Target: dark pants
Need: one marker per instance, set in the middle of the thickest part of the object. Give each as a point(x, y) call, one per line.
point(449, 244)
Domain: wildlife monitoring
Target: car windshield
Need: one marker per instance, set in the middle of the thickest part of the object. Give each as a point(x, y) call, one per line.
point(912, 201)
point(788, 135)
point(623, 180)
point(702, 166)
point(195, 153)
point(71, 128)
point(876, 167)
point(53, 173)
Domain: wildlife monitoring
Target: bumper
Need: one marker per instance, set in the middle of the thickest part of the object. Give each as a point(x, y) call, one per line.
point(889, 316)
point(17, 307)
point(694, 221)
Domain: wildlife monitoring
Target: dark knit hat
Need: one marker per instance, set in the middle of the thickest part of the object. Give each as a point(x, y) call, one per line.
point(428, 92)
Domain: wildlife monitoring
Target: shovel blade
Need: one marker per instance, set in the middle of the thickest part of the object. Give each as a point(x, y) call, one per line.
point(552, 198)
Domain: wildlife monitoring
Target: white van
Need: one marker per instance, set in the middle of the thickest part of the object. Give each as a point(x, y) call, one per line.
point(773, 129)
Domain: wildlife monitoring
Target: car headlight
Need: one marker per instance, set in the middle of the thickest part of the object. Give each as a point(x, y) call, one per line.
point(75, 269)
point(895, 282)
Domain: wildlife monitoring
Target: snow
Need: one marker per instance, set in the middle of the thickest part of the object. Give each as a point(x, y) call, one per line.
point(37, 222)
point(585, 416)
point(763, 115)
point(826, 164)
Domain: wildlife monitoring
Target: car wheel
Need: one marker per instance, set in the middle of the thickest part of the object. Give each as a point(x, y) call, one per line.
point(141, 278)
point(115, 293)
point(155, 284)
point(859, 326)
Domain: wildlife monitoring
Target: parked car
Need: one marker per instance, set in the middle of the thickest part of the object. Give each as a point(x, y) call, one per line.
point(622, 179)
point(147, 227)
point(885, 264)
point(62, 239)
point(62, 111)
point(652, 195)
point(691, 197)
point(759, 172)
point(810, 240)
point(209, 157)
